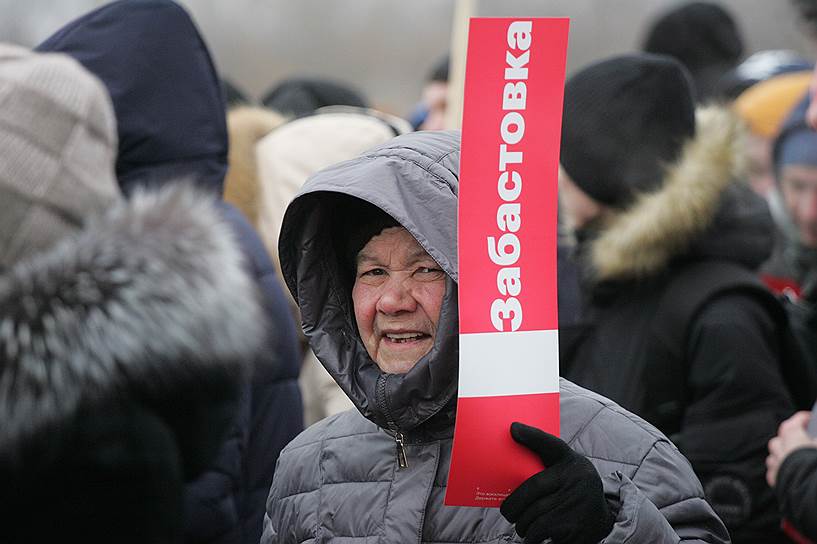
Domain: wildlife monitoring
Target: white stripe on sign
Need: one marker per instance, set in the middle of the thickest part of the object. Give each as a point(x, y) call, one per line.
point(494, 364)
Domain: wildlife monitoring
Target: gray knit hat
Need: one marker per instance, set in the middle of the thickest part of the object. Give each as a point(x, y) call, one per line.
point(57, 150)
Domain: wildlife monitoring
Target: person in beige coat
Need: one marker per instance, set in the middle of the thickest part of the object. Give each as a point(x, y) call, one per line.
point(269, 161)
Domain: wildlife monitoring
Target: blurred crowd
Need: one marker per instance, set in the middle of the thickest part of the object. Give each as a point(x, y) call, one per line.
point(225, 320)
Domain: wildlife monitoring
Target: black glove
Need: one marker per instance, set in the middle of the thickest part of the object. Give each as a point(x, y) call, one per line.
point(564, 502)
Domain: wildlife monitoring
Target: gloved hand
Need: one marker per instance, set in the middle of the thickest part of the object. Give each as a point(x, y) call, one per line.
point(564, 502)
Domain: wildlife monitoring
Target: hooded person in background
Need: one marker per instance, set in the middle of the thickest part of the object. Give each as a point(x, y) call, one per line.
point(703, 37)
point(369, 251)
point(170, 115)
point(654, 194)
point(764, 107)
point(118, 380)
point(792, 267)
point(273, 167)
point(794, 161)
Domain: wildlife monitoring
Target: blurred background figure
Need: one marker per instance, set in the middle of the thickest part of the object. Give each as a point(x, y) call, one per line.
point(234, 95)
point(703, 37)
point(296, 97)
point(764, 106)
point(792, 460)
point(118, 380)
point(171, 123)
point(792, 471)
point(793, 265)
point(429, 113)
point(273, 163)
point(246, 125)
point(807, 10)
point(759, 67)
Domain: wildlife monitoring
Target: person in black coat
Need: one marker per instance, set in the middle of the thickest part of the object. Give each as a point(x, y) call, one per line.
point(170, 113)
point(792, 471)
point(650, 186)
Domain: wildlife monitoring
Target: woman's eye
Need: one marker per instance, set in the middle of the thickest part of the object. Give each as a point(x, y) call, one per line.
point(427, 272)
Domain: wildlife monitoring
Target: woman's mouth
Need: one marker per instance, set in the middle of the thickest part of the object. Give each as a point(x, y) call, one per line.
point(405, 337)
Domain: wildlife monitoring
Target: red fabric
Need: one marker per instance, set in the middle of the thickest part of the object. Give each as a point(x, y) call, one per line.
point(782, 286)
point(793, 534)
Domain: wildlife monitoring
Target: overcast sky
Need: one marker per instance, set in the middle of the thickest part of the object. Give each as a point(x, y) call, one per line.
point(386, 47)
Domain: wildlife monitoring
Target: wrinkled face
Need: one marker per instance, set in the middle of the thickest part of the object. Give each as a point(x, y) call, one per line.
point(578, 207)
point(397, 296)
point(798, 184)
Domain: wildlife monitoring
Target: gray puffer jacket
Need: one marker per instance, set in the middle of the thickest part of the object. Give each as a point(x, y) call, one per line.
point(339, 481)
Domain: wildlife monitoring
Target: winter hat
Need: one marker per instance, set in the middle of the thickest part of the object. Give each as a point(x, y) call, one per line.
point(302, 96)
point(760, 67)
point(797, 142)
point(764, 106)
point(58, 147)
point(798, 147)
point(700, 35)
point(625, 119)
point(696, 34)
point(794, 142)
point(439, 72)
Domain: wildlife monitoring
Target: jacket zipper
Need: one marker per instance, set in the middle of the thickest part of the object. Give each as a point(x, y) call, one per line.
point(399, 439)
point(402, 460)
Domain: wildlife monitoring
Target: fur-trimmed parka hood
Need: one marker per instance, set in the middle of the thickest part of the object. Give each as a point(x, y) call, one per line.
point(703, 210)
point(149, 302)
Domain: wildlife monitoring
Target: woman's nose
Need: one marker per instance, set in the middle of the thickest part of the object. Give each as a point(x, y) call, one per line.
point(396, 297)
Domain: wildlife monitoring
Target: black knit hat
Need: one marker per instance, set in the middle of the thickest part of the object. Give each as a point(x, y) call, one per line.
point(439, 72)
point(625, 119)
point(302, 96)
point(703, 37)
point(696, 34)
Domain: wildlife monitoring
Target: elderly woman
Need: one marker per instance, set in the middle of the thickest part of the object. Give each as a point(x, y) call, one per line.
point(369, 251)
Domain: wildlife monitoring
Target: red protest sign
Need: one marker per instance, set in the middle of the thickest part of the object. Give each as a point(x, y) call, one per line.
point(509, 368)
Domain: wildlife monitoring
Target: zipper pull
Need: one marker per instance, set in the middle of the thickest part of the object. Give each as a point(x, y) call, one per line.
point(402, 460)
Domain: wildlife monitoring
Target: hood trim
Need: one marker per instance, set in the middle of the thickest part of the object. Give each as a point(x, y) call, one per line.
point(641, 240)
point(146, 301)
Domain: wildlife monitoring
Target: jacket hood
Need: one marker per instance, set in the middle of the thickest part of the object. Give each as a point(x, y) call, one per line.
point(166, 93)
point(414, 179)
point(149, 302)
point(298, 149)
point(702, 210)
